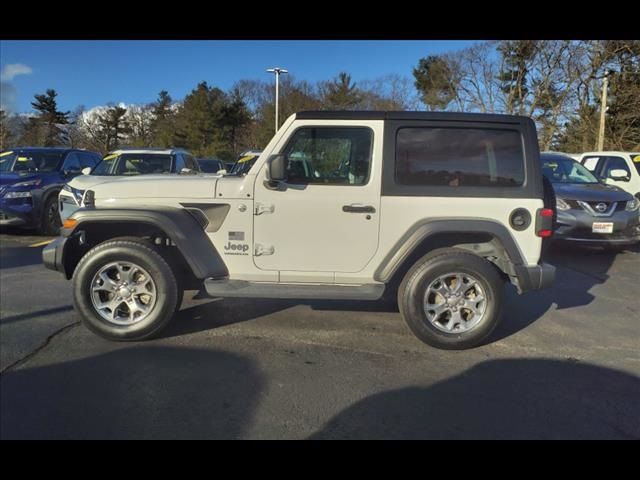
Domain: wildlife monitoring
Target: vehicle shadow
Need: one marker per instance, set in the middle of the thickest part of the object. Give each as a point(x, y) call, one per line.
point(23, 256)
point(501, 399)
point(221, 312)
point(139, 392)
point(578, 270)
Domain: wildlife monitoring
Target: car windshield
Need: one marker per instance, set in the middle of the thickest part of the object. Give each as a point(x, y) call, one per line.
point(210, 165)
point(635, 158)
point(566, 170)
point(29, 161)
point(244, 164)
point(133, 164)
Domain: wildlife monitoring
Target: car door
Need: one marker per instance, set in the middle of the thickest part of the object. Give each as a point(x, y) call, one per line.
point(325, 217)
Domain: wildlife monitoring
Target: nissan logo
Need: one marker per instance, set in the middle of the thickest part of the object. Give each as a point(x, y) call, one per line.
point(601, 207)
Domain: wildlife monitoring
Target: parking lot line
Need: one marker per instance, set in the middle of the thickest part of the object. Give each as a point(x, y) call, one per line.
point(41, 244)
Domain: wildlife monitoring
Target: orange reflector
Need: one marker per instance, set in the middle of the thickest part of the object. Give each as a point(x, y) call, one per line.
point(70, 223)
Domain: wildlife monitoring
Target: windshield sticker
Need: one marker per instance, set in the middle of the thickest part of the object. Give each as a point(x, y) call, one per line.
point(109, 157)
point(6, 153)
point(23, 159)
point(636, 159)
point(246, 159)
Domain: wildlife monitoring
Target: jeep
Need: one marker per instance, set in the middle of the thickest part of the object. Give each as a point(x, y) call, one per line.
point(433, 210)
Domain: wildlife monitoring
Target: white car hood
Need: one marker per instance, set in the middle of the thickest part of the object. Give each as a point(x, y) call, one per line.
point(151, 186)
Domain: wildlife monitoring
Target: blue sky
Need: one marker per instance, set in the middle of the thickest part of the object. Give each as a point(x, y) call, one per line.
point(94, 73)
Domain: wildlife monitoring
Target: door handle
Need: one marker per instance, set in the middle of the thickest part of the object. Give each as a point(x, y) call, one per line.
point(358, 208)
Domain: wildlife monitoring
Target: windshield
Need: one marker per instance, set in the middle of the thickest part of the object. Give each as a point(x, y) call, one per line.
point(244, 164)
point(635, 158)
point(26, 161)
point(210, 166)
point(133, 164)
point(566, 170)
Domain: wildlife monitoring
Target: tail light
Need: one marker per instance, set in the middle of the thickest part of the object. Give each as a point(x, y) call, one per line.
point(544, 222)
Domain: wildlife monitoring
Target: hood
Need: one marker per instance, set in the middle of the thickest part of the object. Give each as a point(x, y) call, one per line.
point(154, 186)
point(9, 178)
point(594, 192)
point(83, 182)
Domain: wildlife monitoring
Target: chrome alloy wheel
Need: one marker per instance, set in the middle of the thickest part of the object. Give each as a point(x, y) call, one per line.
point(123, 293)
point(455, 302)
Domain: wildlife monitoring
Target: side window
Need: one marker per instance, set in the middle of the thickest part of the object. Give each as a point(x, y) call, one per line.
point(459, 157)
point(615, 163)
point(72, 162)
point(87, 160)
point(330, 156)
point(179, 160)
point(190, 162)
point(591, 163)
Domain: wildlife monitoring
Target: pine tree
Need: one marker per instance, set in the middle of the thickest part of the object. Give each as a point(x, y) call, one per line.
point(48, 118)
point(514, 79)
point(163, 124)
point(434, 80)
point(341, 94)
point(113, 127)
point(235, 116)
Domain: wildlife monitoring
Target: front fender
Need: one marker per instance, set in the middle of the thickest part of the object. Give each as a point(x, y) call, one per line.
point(184, 231)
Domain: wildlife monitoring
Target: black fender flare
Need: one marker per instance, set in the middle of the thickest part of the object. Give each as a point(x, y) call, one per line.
point(424, 229)
point(178, 225)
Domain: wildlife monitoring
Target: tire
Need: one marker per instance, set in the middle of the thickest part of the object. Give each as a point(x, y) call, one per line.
point(153, 275)
point(50, 222)
point(426, 272)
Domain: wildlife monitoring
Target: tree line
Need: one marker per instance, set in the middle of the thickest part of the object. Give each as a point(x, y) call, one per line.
point(557, 83)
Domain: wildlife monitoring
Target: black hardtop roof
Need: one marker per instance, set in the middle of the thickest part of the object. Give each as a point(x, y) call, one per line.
point(408, 115)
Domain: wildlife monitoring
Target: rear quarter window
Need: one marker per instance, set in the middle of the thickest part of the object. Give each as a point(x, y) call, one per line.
point(459, 157)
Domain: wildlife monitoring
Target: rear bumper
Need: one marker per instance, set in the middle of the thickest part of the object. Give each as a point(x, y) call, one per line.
point(52, 255)
point(536, 277)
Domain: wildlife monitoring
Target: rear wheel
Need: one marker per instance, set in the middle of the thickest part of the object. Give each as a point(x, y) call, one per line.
point(125, 290)
point(50, 222)
point(451, 299)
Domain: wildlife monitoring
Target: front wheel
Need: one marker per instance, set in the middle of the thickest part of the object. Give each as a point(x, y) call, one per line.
point(50, 221)
point(125, 290)
point(451, 299)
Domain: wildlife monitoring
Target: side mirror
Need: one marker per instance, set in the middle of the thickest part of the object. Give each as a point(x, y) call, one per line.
point(86, 171)
point(222, 171)
point(185, 171)
point(619, 175)
point(278, 168)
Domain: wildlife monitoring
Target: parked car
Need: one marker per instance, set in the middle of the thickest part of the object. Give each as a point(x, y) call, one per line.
point(589, 211)
point(30, 179)
point(211, 165)
point(124, 163)
point(245, 162)
point(621, 169)
point(453, 209)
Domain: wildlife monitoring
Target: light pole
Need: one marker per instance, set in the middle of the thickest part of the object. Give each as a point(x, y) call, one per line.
point(277, 71)
point(603, 109)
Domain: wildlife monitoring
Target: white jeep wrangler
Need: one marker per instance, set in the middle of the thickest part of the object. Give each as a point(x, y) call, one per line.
point(437, 210)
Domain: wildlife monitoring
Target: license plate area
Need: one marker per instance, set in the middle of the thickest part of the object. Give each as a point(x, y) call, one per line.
point(602, 227)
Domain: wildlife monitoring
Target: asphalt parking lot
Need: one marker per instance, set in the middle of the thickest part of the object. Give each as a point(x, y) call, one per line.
point(564, 363)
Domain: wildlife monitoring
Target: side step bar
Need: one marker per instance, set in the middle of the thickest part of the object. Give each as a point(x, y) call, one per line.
point(242, 288)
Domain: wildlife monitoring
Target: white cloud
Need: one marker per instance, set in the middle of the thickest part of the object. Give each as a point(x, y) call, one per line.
point(11, 70)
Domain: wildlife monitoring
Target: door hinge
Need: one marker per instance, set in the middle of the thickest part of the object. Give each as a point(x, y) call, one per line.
point(261, 208)
point(263, 250)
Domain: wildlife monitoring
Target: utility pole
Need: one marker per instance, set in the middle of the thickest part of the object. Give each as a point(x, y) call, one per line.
point(603, 110)
point(277, 71)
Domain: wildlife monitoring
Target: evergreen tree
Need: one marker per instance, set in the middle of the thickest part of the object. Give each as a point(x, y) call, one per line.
point(235, 117)
point(341, 94)
point(48, 119)
point(113, 126)
point(434, 80)
point(514, 77)
point(163, 124)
